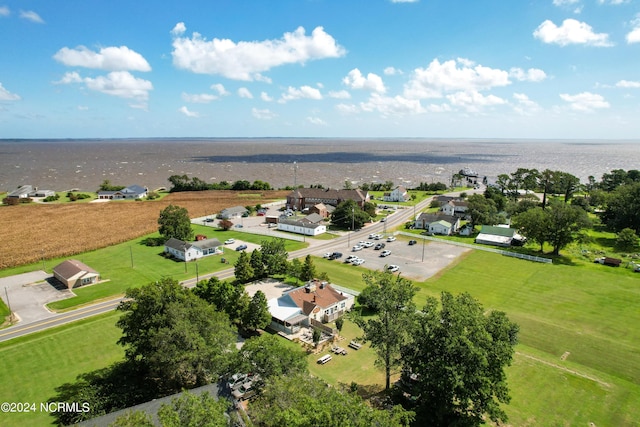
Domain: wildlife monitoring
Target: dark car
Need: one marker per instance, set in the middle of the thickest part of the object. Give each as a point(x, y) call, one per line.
point(241, 248)
point(379, 246)
point(412, 242)
point(336, 255)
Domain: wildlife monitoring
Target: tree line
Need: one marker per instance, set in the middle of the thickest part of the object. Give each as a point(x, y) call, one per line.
point(184, 183)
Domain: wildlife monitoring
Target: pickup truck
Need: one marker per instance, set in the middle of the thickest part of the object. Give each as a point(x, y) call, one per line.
point(605, 260)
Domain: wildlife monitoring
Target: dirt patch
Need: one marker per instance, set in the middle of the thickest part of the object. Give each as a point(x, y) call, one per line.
point(68, 229)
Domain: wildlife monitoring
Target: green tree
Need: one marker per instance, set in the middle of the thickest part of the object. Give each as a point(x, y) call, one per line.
point(481, 210)
point(180, 339)
point(257, 315)
point(533, 225)
point(224, 295)
point(259, 271)
point(301, 400)
point(623, 208)
point(458, 356)
point(308, 271)
point(133, 419)
point(348, 215)
point(270, 356)
point(370, 208)
point(564, 223)
point(274, 256)
point(388, 332)
point(566, 184)
point(192, 410)
point(294, 269)
point(339, 324)
point(243, 270)
point(174, 222)
point(627, 240)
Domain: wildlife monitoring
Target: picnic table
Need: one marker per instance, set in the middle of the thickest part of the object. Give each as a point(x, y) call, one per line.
point(339, 350)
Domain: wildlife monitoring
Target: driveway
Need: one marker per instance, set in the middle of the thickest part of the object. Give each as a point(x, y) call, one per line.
point(29, 292)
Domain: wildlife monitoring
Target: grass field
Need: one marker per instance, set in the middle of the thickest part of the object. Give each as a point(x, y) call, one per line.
point(578, 361)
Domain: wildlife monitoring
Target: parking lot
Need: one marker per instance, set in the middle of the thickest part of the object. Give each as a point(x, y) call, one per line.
point(413, 264)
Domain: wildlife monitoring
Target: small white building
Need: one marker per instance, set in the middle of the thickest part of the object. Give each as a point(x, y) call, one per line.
point(233, 212)
point(188, 251)
point(440, 227)
point(302, 226)
point(131, 192)
point(455, 207)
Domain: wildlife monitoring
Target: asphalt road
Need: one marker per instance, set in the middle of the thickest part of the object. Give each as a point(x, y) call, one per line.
point(397, 218)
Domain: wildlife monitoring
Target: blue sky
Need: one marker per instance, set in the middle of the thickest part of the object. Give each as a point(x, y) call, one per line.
point(320, 68)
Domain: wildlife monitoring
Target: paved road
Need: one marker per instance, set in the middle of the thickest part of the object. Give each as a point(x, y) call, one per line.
point(397, 218)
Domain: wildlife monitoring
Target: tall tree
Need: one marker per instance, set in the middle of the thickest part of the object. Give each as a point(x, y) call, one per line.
point(623, 208)
point(532, 223)
point(566, 184)
point(348, 215)
point(308, 269)
point(224, 295)
point(564, 222)
point(482, 210)
point(274, 256)
point(174, 222)
point(243, 270)
point(301, 400)
point(182, 340)
point(257, 315)
point(546, 184)
point(270, 356)
point(458, 356)
point(257, 264)
point(387, 331)
point(294, 269)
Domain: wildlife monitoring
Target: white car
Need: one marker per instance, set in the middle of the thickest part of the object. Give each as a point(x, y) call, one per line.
point(385, 253)
point(391, 239)
point(358, 261)
point(367, 244)
point(356, 248)
point(327, 255)
point(229, 241)
point(350, 258)
point(393, 268)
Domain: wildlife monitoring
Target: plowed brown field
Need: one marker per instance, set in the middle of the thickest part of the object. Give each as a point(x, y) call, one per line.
point(31, 232)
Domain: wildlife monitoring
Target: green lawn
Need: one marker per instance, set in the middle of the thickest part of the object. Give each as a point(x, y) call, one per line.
point(33, 366)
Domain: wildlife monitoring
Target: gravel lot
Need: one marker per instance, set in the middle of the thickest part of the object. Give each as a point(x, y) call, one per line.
point(409, 258)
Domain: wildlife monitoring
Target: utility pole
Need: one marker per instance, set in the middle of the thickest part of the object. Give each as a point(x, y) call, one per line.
point(8, 304)
point(197, 275)
point(131, 255)
point(423, 240)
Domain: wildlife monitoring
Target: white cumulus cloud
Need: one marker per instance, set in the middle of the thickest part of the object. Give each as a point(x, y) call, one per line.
point(473, 100)
point(347, 108)
point(524, 105)
point(530, 75)
point(304, 92)
point(634, 35)
point(108, 58)
point(265, 97)
point(4, 11)
point(628, 84)
point(117, 83)
point(198, 98)
point(5, 95)
point(391, 71)
point(245, 60)
point(218, 87)
point(316, 121)
point(184, 110)
point(32, 16)
point(179, 29)
point(392, 106)
point(438, 78)
point(243, 92)
point(340, 94)
point(372, 82)
point(570, 32)
point(585, 101)
point(263, 114)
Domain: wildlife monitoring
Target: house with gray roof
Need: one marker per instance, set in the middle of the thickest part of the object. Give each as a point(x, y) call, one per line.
point(233, 212)
point(188, 251)
point(301, 226)
point(131, 192)
point(302, 198)
point(424, 220)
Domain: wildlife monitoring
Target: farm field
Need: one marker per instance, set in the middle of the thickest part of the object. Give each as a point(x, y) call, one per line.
point(68, 229)
point(578, 361)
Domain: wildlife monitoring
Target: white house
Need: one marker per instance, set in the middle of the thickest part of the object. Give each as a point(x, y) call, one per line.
point(131, 192)
point(188, 251)
point(301, 226)
point(440, 227)
point(398, 194)
point(233, 212)
point(455, 207)
point(424, 220)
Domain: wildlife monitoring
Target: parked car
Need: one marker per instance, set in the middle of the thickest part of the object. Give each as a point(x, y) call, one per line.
point(393, 268)
point(350, 258)
point(229, 241)
point(336, 255)
point(384, 219)
point(244, 392)
point(238, 226)
point(241, 247)
point(385, 253)
point(391, 239)
point(379, 246)
point(367, 244)
point(358, 261)
point(237, 380)
point(209, 220)
point(327, 255)
point(356, 248)
point(412, 242)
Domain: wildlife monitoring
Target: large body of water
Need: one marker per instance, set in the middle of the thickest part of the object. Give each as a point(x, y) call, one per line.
point(84, 164)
